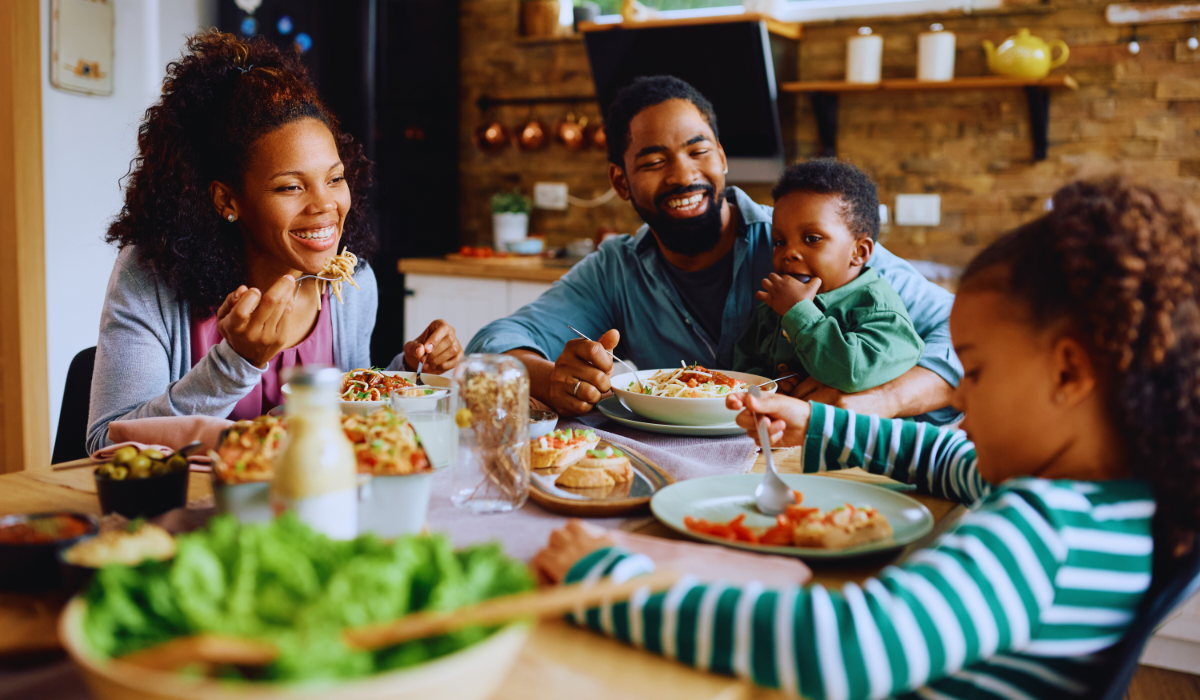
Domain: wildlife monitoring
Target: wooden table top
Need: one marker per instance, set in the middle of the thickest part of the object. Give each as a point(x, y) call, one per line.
point(558, 661)
point(490, 268)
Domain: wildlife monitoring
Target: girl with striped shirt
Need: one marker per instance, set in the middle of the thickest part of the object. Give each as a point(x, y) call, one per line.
point(1080, 339)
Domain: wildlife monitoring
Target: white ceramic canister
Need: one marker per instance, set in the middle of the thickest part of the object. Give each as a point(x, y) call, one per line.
point(509, 228)
point(935, 55)
point(864, 57)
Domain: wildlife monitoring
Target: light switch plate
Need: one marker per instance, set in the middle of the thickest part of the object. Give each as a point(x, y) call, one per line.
point(550, 195)
point(918, 209)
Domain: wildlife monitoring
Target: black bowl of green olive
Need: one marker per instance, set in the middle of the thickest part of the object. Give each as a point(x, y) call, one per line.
point(142, 484)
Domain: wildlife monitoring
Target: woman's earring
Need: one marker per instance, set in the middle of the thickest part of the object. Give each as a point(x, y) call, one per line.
point(232, 218)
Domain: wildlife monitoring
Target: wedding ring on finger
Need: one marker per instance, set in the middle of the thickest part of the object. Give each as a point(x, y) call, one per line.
point(575, 391)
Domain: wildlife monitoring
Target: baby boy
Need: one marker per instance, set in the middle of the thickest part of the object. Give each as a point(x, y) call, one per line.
point(825, 312)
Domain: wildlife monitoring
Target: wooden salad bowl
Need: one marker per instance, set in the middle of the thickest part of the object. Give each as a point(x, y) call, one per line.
point(473, 673)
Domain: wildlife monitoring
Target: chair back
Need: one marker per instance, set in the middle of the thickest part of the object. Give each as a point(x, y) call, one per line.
point(1175, 583)
point(70, 442)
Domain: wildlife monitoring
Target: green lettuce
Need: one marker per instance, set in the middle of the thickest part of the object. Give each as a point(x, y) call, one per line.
point(286, 583)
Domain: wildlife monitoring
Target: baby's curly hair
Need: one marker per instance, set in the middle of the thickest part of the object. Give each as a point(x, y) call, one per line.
point(1120, 261)
point(217, 101)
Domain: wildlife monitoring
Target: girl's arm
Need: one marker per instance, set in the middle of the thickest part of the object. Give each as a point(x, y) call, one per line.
point(994, 585)
point(939, 461)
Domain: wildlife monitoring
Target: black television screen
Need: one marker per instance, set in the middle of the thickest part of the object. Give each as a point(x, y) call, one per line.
point(730, 64)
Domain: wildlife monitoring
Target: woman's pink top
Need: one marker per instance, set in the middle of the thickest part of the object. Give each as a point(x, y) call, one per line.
point(317, 348)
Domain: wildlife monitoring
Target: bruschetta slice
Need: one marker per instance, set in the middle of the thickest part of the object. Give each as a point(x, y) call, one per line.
point(562, 448)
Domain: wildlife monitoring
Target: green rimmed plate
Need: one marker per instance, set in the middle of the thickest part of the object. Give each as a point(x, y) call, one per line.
point(722, 498)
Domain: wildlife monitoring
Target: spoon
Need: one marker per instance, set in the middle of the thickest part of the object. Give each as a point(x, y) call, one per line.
point(772, 496)
point(627, 365)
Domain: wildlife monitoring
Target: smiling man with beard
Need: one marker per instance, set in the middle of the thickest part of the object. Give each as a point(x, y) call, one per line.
point(683, 287)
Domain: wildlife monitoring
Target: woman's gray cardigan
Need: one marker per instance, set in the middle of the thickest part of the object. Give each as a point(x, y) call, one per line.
point(144, 354)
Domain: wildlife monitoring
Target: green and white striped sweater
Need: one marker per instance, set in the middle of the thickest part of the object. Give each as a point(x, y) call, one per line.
point(1015, 602)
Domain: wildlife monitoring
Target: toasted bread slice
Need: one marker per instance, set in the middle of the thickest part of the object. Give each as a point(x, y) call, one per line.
point(576, 477)
point(840, 528)
point(562, 448)
point(610, 460)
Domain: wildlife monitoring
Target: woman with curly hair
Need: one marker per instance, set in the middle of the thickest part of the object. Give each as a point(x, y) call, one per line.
point(1080, 337)
point(242, 184)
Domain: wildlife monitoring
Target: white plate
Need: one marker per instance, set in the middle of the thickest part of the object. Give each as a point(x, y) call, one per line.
point(680, 411)
point(612, 408)
point(367, 407)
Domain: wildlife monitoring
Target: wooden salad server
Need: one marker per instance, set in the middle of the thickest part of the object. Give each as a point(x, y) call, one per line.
point(546, 602)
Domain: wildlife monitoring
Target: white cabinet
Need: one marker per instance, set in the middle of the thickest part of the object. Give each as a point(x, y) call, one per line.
point(467, 303)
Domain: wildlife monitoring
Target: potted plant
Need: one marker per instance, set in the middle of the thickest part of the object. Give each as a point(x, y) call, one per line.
point(510, 217)
point(540, 17)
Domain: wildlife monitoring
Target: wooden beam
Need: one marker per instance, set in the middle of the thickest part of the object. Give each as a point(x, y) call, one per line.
point(1152, 12)
point(788, 30)
point(24, 403)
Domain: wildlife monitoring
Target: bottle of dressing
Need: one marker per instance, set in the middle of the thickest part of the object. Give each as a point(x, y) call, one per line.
point(315, 475)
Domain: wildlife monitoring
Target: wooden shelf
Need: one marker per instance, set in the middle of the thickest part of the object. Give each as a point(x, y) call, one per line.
point(910, 84)
point(560, 39)
point(788, 30)
point(824, 96)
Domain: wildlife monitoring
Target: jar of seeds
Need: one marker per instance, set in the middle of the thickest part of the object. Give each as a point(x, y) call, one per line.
point(492, 468)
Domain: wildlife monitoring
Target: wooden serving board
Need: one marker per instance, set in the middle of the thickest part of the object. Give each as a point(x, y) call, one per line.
point(648, 480)
point(511, 260)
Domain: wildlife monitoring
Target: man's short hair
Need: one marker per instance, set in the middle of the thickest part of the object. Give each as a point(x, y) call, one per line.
point(646, 92)
point(832, 176)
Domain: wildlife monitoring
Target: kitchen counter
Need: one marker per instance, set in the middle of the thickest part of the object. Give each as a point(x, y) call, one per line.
point(488, 268)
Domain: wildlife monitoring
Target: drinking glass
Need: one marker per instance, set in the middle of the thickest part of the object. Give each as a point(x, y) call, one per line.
point(491, 467)
point(433, 419)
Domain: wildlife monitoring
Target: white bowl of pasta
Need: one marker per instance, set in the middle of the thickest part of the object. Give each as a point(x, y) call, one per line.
point(365, 391)
point(684, 395)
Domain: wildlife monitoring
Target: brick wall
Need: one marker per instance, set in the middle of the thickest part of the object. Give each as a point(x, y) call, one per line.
point(1137, 113)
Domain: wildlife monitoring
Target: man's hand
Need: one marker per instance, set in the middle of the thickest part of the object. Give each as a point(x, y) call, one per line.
point(580, 376)
point(256, 324)
point(913, 393)
point(788, 417)
point(567, 546)
point(782, 292)
point(437, 347)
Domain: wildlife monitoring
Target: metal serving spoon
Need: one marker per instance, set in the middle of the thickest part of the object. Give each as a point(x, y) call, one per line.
point(627, 365)
point(772, 496)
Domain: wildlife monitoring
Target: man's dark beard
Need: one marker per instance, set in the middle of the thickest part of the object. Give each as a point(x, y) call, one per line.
point(693, 236)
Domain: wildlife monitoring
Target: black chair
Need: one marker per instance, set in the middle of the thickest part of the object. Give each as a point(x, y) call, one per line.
point(1173, 583)
point(71, 440)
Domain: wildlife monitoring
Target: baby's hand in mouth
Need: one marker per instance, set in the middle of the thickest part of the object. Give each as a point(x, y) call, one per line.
point(782, 292)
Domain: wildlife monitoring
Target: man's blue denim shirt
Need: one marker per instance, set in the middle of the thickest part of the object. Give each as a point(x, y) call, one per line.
point(623, 285)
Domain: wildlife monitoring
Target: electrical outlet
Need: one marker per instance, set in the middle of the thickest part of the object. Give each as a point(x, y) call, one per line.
point(918, 209)
point(550, 195)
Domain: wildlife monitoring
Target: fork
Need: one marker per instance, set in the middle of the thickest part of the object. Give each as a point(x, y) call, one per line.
point(610, 354)
point(316, 277)
point(420, 363)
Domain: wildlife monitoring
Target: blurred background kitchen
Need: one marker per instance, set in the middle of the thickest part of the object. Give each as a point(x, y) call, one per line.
point(459, 102)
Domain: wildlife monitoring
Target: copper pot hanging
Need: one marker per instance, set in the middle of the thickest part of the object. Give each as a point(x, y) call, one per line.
point(532, 135)
point(571, 133)
point(491, 136)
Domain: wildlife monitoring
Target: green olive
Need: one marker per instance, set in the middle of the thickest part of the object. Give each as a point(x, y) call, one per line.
point(119, 473)
point(139, 472)
point(105, 469)
point(138, 462)
point(177, 463)
point(153, 454)
point(124, 454)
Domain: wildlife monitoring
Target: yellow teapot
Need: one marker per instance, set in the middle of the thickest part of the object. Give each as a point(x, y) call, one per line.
point(1025, 56)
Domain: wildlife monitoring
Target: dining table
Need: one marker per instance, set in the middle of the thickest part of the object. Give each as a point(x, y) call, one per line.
point(558, 661)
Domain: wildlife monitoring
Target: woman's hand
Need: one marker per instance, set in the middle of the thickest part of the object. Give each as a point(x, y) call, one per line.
point(788, 416)
point(567, 546)
point(256, 324)
point(437, 347)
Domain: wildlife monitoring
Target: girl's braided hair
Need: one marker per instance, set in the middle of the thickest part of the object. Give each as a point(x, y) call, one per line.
point(218, 100)
point(1120, 262)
